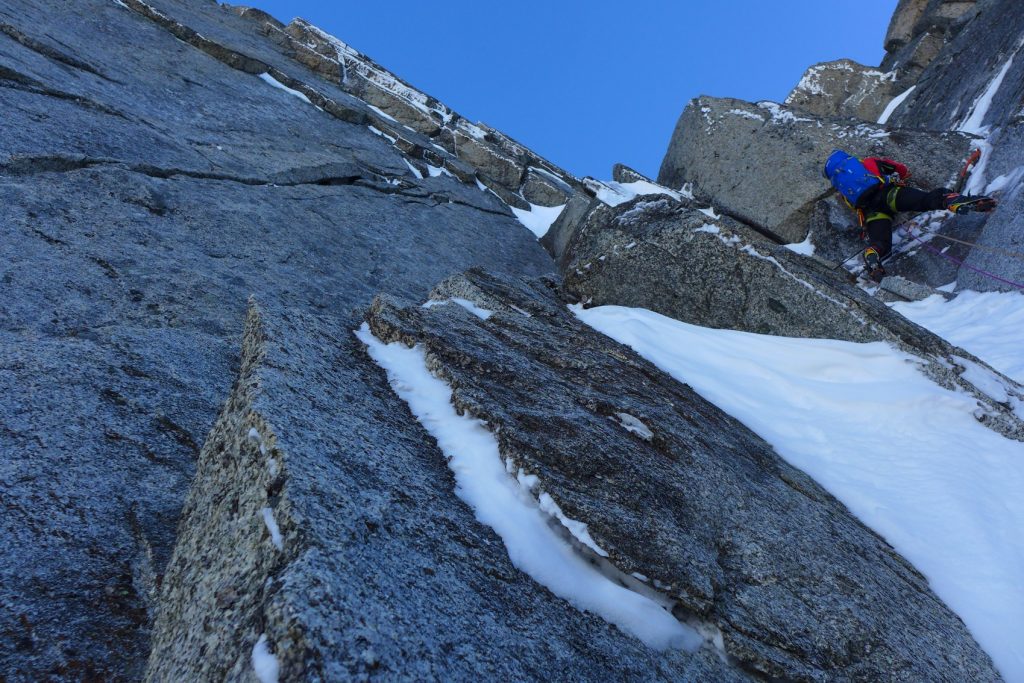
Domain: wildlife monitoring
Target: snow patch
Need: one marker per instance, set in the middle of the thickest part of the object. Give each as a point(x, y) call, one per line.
point(267, 78)
point(988, 324)
point(378, 131)
point(264, 663)
point(747, 114)
point(499, 501)
point(614, 193)
point(275, 532)
point(635, 425)
point(383, 113)
point(415, 171)
point(780, 115)
point(479, 312)
point(806, 247)
point(538, 219)
point(435, 171)
point(894, 103)
point(576, 528)
point(973, 122)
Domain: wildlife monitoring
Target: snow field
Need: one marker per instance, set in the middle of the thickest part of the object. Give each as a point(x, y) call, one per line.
point(988, 324)
point(505, 503)
point(906, 456)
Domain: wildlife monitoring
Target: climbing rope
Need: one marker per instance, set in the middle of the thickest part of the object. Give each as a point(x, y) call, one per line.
point(960, 262)
point(997, 250)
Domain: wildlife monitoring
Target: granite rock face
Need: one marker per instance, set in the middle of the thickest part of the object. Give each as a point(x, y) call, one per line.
point(376, 570)
point(918, 31)
point(762, 163)
point(843, 89)
point(799, 589)
point(148, 186)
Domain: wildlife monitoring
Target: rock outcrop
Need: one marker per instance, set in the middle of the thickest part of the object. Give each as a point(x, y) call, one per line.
point(976, 83)
point(843, 89)
point(918, 31)
point(181, 179)
point(762, 163)
point(660, 254)
point(703, 508)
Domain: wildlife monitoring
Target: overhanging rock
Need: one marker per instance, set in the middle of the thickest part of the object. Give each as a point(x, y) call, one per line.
point(762, 163)
point(703, 508)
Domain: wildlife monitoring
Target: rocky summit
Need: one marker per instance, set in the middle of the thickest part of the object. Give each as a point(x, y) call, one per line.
point(212, 223)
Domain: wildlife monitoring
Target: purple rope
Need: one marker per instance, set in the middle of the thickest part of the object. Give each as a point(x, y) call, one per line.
point(960, 263)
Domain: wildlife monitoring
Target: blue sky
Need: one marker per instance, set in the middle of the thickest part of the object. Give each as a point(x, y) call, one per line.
point(587, 84)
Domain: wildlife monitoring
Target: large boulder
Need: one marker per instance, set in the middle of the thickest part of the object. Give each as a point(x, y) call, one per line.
point(680, 493)
point(843, 89)
point(762, 163)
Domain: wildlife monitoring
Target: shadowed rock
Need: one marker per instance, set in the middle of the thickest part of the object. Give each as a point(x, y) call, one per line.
point(143, 200)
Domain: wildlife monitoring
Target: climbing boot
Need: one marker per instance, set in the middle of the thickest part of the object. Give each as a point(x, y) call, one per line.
point(964, 203)
point(873, 264)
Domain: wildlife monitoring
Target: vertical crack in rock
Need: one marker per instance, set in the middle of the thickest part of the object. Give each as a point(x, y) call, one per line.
point(234, 536)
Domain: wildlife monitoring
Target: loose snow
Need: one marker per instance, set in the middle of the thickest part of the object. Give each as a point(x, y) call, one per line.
point(267, 78)
point(415, 171)
point(275, 532)
point(479, 312)
point(988, 324)
point(806, 247)
point(538, 219)
point(264, 663)
point(906, 456)
point(896, 102)
point(613, 194)
point(501, 502)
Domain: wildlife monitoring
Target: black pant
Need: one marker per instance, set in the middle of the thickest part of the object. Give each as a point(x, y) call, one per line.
point(882, 205)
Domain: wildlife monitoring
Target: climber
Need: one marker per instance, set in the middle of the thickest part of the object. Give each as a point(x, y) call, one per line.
point(876, 188)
